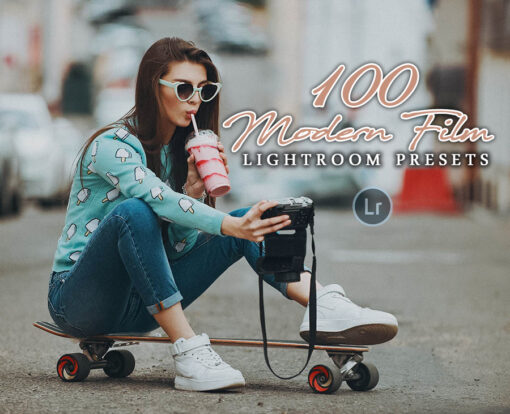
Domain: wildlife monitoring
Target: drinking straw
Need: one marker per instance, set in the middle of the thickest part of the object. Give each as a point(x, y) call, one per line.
point(194, 123)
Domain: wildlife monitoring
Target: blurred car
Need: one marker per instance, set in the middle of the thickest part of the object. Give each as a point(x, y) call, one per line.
point(114, 36)
point(42, 157)
point(117, 50)
point(249, 186)
point(113, 103)
point(229, 26)
point(71, 141)
point(240, 39)
point(11, 185)
point(97, 11)
point(326, 186)
point(116, 68)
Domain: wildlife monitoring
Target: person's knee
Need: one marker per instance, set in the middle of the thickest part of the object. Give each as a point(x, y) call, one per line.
point(137, 209)
point(240, 245)
point(239, 212)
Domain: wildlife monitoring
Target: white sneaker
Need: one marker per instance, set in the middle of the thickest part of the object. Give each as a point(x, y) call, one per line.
point(199, 368)
point(339, 321)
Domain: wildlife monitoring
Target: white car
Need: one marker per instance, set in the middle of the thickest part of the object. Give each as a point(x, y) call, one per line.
point(71, 141)
point(112, 104)
point(42, 157)
point(11, 186)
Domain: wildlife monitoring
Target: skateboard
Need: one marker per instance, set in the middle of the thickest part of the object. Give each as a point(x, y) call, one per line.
point(323, 379)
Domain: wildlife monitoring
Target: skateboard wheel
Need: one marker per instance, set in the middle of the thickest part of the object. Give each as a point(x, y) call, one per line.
point(322, 380)
point(73, 367)
point(368, 377)
point(120, 364)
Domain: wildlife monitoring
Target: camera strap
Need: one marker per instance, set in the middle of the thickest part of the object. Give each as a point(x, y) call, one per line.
point(312, 311)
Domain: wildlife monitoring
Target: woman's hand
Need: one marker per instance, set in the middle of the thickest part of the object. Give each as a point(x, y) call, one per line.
point(251, 226)
point(221, 149)
point(194, 185)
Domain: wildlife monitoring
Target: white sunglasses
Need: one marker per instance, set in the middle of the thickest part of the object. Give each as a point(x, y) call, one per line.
point(185, 90)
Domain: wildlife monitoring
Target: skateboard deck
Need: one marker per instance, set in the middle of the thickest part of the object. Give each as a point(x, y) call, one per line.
point(321, 378)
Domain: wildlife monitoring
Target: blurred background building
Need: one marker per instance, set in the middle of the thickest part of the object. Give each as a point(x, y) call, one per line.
point(81, 57)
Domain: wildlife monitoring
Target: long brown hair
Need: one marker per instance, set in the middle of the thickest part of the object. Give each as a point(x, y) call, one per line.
point(141, 120)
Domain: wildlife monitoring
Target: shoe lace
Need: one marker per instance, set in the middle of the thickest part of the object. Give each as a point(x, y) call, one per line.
point(345, 298)
point(207, 356)
point(340, 296)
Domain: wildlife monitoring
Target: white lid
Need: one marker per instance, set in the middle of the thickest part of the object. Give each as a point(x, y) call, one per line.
point(204, 137)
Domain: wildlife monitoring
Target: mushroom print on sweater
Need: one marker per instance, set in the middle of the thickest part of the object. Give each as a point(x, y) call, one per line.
point(74, 256)
point(123, 154)
point(186, 205)
point(113, 179)
point(90, 168)
point(91, 226)
point(94, 150)
point(112, 195)
point(121, 133)
point(156, 193)
point(179, 246)
point(83, 196)
point(120, 160)
point(139, 174)
point(71, 231)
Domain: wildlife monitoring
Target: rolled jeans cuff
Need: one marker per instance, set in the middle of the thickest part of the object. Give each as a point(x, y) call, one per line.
point(284, 286)
point(165, 304)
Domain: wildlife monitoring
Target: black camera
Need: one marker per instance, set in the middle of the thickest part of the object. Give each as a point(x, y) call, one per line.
point(285, 250)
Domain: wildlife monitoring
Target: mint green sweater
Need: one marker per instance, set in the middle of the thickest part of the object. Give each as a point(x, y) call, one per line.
point(115, 169)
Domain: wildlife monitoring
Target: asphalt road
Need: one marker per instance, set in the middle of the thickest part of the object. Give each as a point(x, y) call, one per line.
point(445, 278)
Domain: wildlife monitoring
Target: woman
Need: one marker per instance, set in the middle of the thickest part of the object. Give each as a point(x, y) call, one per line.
point(130, 257)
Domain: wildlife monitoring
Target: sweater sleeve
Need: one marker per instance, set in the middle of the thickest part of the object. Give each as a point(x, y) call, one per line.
point(120, 163)
point(183, 238)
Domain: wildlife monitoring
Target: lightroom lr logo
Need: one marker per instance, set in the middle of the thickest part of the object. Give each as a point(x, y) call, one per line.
point(372, 206)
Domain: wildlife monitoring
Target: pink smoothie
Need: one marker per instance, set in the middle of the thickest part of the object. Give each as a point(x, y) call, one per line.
point(209, 163)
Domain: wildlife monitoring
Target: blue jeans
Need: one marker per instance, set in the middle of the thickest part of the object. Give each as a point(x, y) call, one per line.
point(123, 276)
